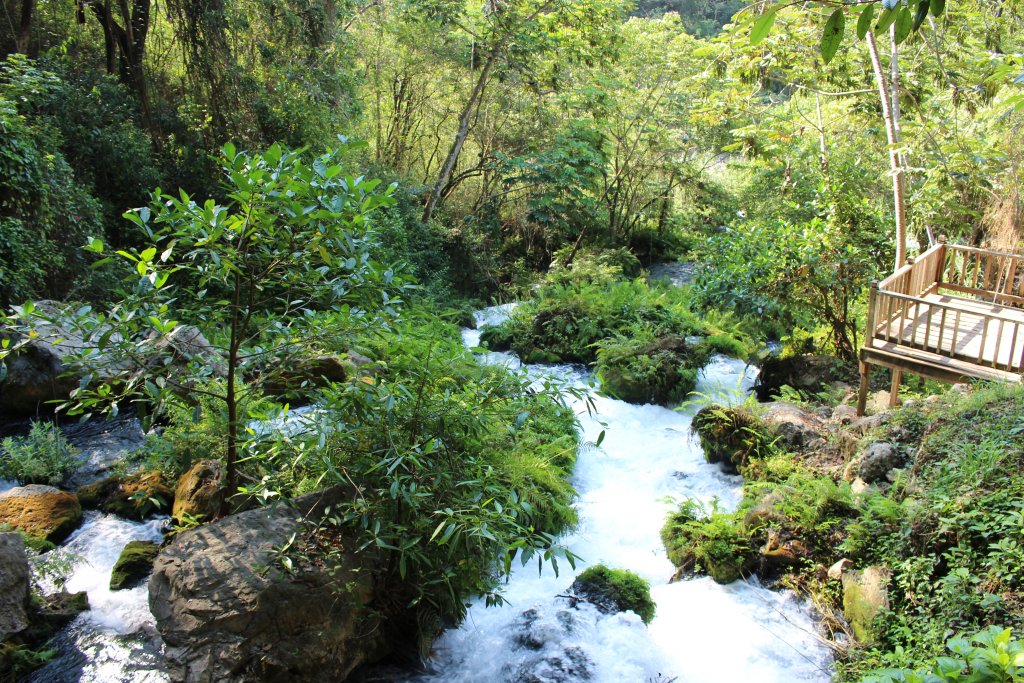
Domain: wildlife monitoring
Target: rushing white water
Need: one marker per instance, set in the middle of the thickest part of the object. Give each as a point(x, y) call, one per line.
point(115, 639)
point(703, 632)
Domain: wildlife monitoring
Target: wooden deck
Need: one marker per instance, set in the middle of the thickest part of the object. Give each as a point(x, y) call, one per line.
point(956, 313)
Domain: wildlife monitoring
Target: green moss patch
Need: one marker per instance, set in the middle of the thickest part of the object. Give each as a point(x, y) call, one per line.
point(615, 590)
point(133, 565)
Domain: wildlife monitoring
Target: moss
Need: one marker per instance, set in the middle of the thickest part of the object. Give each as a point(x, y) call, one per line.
point(662, 371)
point(136, 496)
point(133, 565)
point(731, 436)
point(615, 590)
point(48, 515)
point(715, 543)
point(728, 345)
point(496, 337)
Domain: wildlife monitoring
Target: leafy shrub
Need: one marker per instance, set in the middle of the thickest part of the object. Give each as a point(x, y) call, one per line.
point(43, 457)
point(615, 590)
point(993, 655)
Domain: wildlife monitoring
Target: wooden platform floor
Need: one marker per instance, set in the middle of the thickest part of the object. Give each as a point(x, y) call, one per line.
point(955, 329)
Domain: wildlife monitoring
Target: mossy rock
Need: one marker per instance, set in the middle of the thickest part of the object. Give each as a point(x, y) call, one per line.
point(134, 564)
point(542, 357)
point(136, 496)
point(496, 337)
point(731, 436)
point(661, 371)
point(717, 545)
point(200, 492)
point(42, 512)
point(615, 590)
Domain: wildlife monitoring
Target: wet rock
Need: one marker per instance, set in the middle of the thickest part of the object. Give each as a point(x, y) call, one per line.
point(103, 445)
point(41, 511)
point(835, 572)
point(806, 373)
point(779, 554)
point(136, 496)
point(133, 565)
point(877, 460)
point(309, 373)
point(533, 632)
point(57, 609)
point(570, 666)
point(14, 586)
point(614, 590)
point(200, 492)
point(730, 436)
point(797, 429)
point(865, 595)
point(229, 614)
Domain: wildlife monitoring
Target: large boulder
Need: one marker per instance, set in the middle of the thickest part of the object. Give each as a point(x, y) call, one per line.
point(228, 612)
point(731, 436)
point(806, 373)
point(133, 565)
point(875, 462)
point(14, 586)
point(798, 429)
point(186, 343)
point(136, 496)
point(36, 374)
point(41, 511)
point(200, 492)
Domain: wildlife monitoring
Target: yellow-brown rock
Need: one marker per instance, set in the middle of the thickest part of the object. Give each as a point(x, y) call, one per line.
point(41, 511)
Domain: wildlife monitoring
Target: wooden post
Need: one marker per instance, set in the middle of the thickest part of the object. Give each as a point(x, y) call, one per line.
point(940, 263)
point(862, 394)
point(894, 390)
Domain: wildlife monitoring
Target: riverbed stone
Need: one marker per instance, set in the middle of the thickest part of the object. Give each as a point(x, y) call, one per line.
point(14, 585)
point(797, 428)
point(133, 565)
point(41, 511)
point(877, 460)
point(228, 612)
point(135, 496)
point(865, 596)
point(200, 492)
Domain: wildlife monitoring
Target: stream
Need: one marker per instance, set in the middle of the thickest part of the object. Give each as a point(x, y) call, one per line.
point(703, 632)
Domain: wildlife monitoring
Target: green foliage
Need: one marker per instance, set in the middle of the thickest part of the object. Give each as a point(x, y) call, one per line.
point(43, 457)
point(993, 655)
point(616, 589)
point(639, 370)
point(702, 539)
point(462, 468)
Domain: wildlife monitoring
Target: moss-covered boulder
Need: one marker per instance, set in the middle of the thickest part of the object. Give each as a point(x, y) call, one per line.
point(43, 512)
point(865, 596)
point(715, 544)
point(731, 436)
point(136, 496)
point(134, 564)
point(200, 492)
point(614, 590)
point(496, 337)
point(662, 371)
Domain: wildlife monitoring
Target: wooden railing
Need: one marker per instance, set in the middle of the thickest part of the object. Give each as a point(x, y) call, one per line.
point(987, 332)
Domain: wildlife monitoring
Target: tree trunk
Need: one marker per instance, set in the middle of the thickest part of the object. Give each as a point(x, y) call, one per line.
point(25, 26)
point(460, 138)
point(895, 167)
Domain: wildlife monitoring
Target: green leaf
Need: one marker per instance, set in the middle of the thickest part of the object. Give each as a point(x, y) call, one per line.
point(762, 26)
point(937, 7)
point(885, 20)
point(95, 245)
point(832, 36)
point(864, 22)
point(904, 24)
point(922, 13)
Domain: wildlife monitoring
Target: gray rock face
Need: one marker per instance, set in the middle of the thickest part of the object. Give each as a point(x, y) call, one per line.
point(796, 428)
point(14, 576)
point(877, 460)
point(229, 614)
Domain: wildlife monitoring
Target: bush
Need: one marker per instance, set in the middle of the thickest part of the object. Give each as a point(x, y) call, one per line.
point(990, 656)
point(43, 457)
point(615, 590)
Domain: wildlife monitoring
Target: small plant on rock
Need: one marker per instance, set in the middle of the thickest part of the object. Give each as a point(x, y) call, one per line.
point(43, 457)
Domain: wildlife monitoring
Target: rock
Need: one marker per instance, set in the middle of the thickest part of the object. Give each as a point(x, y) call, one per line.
point(136, 496)
point(835, 572)
point(104, 444)
point(614, 590)
point(133, 565)
point(228, 613)
point(14, 586)
point(765, 512)
point(875, 462)
point(308, 373)
point(859, 486)
point(730, 436)
point(200, 492)
point(779, 555)
point(865, 595)
point(797, 429)
point(844, 414)
point(184, 344)
point(41, 511)
point(57, 609)
point(806, 373)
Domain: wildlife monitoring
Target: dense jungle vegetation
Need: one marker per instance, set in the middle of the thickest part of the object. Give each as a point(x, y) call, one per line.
point(350, 178)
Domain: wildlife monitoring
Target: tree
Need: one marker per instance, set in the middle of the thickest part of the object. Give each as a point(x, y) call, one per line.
point(269, 275)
